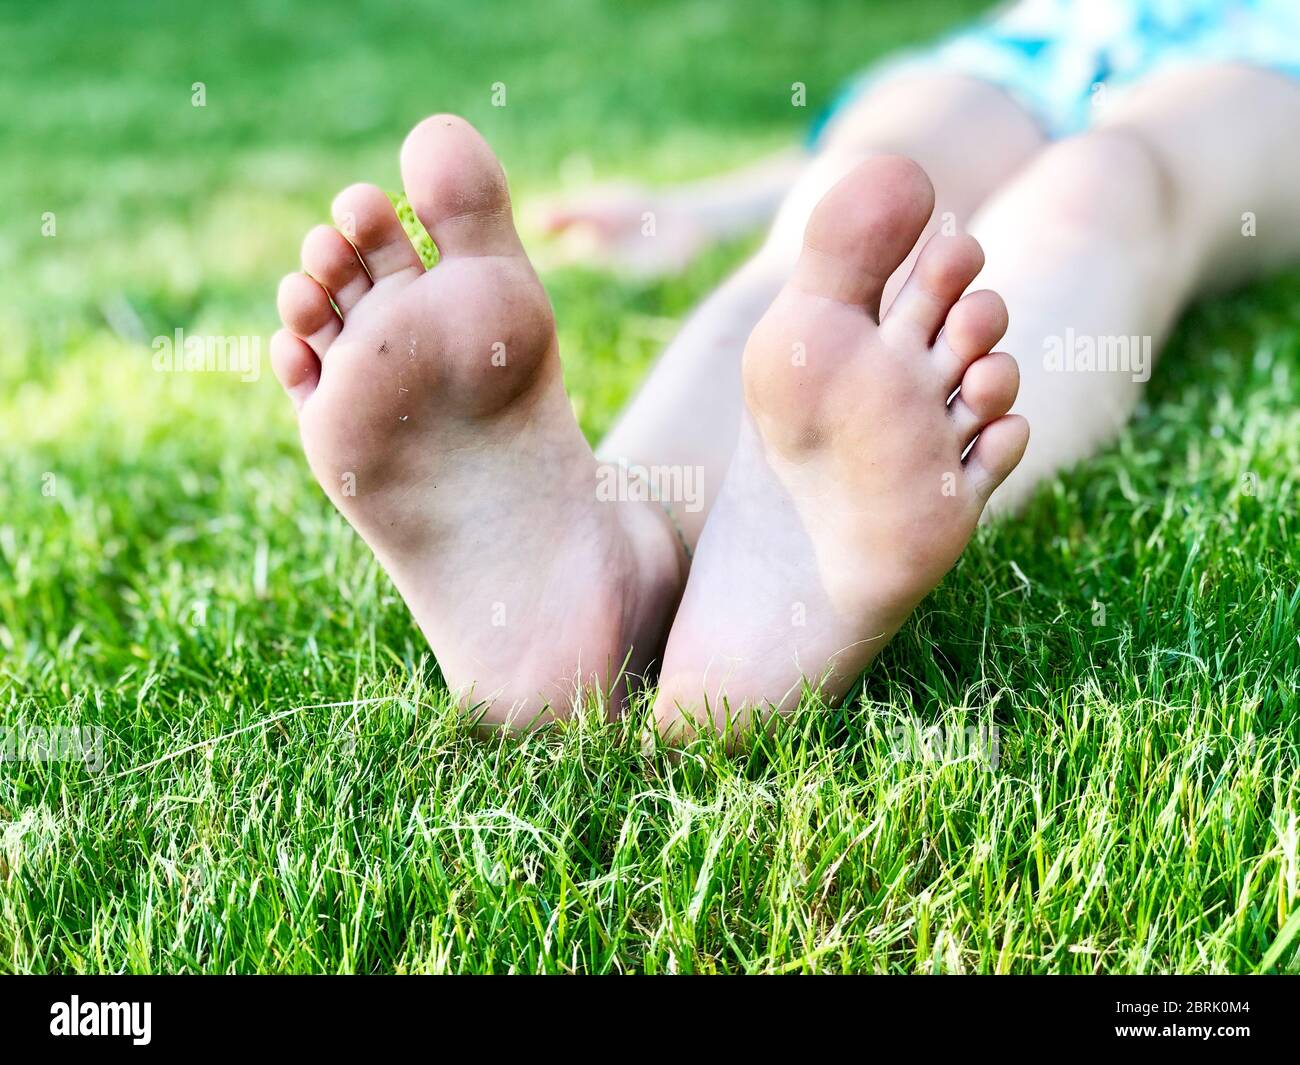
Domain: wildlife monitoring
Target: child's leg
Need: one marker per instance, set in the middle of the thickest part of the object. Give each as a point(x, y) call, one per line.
point(831, 524)
point(966, 134)
point(1107, 235)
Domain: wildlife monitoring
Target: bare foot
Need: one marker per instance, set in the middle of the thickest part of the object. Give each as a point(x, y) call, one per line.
point(625, 228)
point(848, 497)
point(433, 413)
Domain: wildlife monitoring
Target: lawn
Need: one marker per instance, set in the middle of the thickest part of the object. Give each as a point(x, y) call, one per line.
point(284, 786)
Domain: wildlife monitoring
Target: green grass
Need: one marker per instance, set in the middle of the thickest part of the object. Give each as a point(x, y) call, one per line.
point(285, 786)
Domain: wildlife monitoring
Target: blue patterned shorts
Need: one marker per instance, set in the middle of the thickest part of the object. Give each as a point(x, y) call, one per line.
point(1058, 57)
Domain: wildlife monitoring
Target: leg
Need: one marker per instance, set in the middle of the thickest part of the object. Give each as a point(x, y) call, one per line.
point(966, 134)
point(1103, 239)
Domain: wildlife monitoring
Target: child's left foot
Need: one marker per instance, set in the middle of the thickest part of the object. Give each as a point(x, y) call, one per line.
point(848, 497)
point(433, 412)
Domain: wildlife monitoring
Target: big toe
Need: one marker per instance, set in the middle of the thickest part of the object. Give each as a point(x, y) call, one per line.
point(863, 229)
point(458, 189)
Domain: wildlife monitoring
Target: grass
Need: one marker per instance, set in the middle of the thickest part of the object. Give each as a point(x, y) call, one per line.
point(284, 785)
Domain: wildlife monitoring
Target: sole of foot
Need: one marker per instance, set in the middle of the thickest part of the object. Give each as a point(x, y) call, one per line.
point(868, 451)
point(433, 413)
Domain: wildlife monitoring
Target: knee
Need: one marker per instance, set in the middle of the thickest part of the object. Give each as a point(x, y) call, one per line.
point(1106, 181)
point(887, 116)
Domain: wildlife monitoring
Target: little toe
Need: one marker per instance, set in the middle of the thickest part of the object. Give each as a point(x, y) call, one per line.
point(988, 389)
point(296, 366)
point(977, 322)
point(367, 218)
point(863, 229)
point(306, 311)
point(999, 447)
point(946, 265)
point(333, 262)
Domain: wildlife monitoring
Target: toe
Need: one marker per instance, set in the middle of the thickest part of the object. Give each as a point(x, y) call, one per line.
point(974, 325)
point(306, 311)
point(946, 265)
point(296, 366)
point(366, 217)
point(458, 189)
point(333, 262)
point(1000, 445)
point(988, 389)
point(863, 229)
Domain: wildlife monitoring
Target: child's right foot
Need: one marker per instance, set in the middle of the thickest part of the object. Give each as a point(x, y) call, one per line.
point(849, 495)
point(433, 414)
